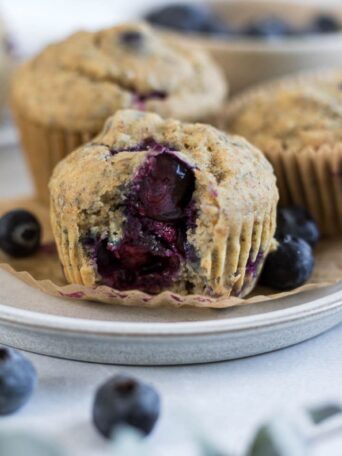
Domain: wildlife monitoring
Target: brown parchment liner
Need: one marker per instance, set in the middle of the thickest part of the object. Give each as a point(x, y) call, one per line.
point(44, 272)
point(310, 177)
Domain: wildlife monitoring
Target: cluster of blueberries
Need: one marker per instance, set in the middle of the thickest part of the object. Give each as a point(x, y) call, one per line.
point(292, 263)
point(121, 400)
point(201, 19)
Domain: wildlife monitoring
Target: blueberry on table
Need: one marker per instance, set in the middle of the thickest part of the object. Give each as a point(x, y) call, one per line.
point(297, 222)
point(125, 401)
point(183, 17)
point(20, 233)
point(17, 380)
point(289, 266)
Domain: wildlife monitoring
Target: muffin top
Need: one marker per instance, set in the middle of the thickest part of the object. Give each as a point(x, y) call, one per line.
point(291, 116)
point(232, 176)
point(77, 83)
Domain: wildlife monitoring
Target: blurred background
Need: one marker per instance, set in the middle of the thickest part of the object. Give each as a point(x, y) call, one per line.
point(32, 24)
point(35, 23)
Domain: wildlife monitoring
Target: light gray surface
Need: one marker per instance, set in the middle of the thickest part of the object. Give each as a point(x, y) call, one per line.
point(227, 399)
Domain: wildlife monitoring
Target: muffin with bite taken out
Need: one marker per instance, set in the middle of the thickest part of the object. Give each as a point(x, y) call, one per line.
point(154, 205)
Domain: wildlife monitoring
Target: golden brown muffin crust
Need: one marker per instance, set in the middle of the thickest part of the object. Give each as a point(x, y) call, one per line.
point(294, 115)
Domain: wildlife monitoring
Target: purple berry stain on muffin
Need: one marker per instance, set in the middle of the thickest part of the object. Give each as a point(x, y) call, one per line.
point(252, 266)
point(159, 211)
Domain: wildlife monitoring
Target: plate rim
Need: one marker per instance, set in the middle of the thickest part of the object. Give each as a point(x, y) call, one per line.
point(331, 303)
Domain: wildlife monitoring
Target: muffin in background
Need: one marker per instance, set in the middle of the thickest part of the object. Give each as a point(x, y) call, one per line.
point(61, 98)
point(6, 66)
point(297, 124)
point(154, 205)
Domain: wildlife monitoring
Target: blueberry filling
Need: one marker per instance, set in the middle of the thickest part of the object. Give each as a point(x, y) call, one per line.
point(158, 211)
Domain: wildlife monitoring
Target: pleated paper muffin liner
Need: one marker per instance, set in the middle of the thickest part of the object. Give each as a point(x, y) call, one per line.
point(44, 272)
point(311, 176)
point(233, 264)
point(44, 147)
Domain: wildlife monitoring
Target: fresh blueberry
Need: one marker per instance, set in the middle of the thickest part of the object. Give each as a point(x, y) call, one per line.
point(297, 222)
point(159, 212)
point(268, 28)
point(289, 266)
point(183, 17)
point(17, 380)
point(324, 23)
point(123, 401)
point(20, 233)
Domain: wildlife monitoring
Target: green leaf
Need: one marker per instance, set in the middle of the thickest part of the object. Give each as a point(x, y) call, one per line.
point(277, 438)
point(323, 412)
point(24, 444)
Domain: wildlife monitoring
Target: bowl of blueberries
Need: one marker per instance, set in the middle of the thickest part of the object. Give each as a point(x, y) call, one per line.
point(254, 40)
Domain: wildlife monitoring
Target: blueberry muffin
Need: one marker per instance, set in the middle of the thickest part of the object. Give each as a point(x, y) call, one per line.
point(62, 97)
point(297, 123)
point(154, 204)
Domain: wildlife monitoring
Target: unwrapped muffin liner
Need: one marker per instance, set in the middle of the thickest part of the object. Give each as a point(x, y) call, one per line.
point(44, 147)
point(44, 272)
point(311, 177)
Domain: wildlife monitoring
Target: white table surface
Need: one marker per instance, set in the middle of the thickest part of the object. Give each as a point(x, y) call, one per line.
point(228, 400)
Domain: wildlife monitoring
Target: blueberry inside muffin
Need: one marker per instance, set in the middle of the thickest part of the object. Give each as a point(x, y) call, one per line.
point(154, 205)
point(158, 211)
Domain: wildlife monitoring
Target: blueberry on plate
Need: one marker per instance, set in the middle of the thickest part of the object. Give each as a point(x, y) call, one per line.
point(20, 233)
point(17, 380)
point(297, 222)
point(125, 401)
point(183, 17)
point(268, 28)
point(289, 266)
point(324, 23)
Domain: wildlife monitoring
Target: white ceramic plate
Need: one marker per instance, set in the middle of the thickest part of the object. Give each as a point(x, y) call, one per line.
point(108, 334)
